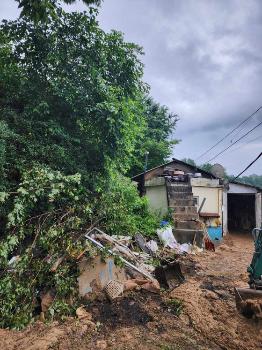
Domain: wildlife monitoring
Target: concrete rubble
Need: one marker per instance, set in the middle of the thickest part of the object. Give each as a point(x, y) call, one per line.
point(132, 264)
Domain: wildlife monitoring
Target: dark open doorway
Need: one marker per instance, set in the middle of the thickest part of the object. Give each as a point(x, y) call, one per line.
point(241, 212)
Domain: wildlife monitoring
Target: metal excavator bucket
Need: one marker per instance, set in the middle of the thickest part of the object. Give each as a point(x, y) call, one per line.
point(249, 302)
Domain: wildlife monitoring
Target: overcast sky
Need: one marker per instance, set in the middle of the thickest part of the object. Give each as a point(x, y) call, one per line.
point(203, 60)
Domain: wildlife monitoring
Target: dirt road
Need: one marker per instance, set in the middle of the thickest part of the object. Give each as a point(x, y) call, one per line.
point(209, 296)
point(209, 319)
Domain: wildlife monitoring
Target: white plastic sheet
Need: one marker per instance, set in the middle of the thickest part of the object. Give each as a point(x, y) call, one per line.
point(185, 247)
point(166, 236)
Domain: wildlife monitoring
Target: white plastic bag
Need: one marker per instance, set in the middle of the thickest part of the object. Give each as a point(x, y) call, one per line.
point(185, 247)
point(166, 236)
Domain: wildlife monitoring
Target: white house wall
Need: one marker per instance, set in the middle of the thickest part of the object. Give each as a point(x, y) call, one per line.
point(224, 211)
point(213, 203)
point(201, 188)
point(157, 195)
point(212, 191)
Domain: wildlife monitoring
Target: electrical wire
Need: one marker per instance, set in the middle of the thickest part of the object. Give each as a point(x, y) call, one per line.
point(249, 165)
point(245, 144)
point(230, 133)
point(237, 132)
point(240, 138)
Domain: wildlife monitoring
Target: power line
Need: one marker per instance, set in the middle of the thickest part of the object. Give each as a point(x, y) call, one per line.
point(244, 145)
point(240, 138)
point(231, 132)
point(249, 165)
point(237, 132)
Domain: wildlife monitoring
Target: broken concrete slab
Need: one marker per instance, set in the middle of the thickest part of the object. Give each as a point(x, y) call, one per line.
point(95, 274)
point(189, 236)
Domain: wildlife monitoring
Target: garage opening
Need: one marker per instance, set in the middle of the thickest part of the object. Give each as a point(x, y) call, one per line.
point(241, 212)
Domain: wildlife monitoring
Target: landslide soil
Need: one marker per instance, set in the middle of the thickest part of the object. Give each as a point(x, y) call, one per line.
point(142, 320)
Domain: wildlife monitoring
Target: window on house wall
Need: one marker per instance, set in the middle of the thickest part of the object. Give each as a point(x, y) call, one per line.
point(196, 200)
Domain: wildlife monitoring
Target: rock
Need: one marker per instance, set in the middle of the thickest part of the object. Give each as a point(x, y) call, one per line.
point(46, 300)
point(86, 327)
point(130, 285)
point(151, 286)
point(82, 314)
point(42, 317)
point(211, 295)
point(91, 325)
point(101, 344)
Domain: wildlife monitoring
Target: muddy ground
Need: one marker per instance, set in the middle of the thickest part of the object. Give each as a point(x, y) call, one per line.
point(209, 319)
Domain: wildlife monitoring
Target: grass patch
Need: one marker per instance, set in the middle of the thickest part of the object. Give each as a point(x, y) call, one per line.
point(175, 306)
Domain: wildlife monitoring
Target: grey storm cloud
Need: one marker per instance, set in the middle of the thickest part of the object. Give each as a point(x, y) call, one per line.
point(203, 60)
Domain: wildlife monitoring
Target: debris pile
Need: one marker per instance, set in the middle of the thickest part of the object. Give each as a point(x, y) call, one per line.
point(146, 265)
point(109, 267)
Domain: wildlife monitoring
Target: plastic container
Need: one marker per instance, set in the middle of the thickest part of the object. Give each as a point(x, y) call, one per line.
point(215, 232)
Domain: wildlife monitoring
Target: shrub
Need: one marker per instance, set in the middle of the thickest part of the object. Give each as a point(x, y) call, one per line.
point(48, 216)
point(124, 211)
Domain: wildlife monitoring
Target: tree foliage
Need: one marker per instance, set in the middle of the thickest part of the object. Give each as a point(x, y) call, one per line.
point(49, 215)
point(45, 223)
point(189, 161)
point(254, 180)
point(206, 167)
point(40, 10)
point(73, 119)
point(70, 96)
point(158, 138)
point(123, 210)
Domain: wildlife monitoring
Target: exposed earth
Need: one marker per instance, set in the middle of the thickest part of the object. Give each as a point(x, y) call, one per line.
point(141, 320)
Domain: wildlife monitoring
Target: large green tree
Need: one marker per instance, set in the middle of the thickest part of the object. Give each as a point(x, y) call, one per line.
point(71, 96)
point(72, 111)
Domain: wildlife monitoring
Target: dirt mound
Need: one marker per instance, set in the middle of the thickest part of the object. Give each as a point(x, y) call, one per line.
point(122, 312)
point(37, 337)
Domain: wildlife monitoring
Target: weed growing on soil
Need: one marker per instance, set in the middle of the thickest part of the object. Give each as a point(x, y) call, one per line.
point(175, 306)
point(155, 262)
point(118, 261)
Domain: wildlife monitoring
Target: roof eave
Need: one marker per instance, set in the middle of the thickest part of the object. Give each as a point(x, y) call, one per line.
point(174, 160)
